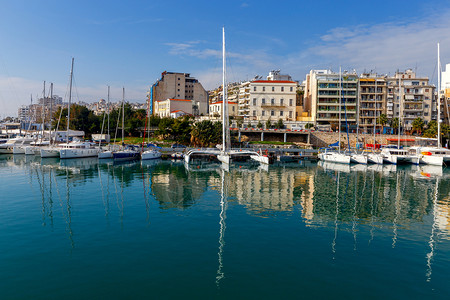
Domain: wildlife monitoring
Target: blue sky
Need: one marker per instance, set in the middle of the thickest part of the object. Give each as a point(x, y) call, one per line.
point(129, 43)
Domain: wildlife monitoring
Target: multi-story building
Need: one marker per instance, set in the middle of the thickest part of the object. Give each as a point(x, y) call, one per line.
point(329, 95)
point(268, 99)
point(179, 86)
point(24, 114)
point(417, 98)
point(445, 88)
point(215, 109)
point(172, 107)
point(372, 101)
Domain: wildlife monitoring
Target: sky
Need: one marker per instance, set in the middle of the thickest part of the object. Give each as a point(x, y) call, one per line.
point(130, 43)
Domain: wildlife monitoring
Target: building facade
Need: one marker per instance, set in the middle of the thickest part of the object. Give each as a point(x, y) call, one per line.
point(179, 86)
point(372, 102)
point(168, 107)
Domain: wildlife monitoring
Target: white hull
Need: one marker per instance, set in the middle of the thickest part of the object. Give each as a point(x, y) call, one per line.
point(33, 150)
point(49, 152)
point(260, 158)
point(375, 158)
point(105, 155)
point(225, 158)
point(77, 153)
point(151, 154)
point(18, 150)
point(6, 150)
point(335, 157)
point(432, 160)
point(358, 159)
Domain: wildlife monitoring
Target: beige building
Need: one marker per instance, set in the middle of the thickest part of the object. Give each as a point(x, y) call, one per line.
point(179, 86)
point(326, 92)
point(372, 101)
point(215, 109)
point(417, 98)
point(169, 107)
point(274, 98)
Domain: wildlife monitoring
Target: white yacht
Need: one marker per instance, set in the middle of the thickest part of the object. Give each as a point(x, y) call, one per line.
point(151, 154)
point(334, 156)
point(375, 158)
point(430, 153)
point(8, 146)
point(398, 156)
point(78, 150)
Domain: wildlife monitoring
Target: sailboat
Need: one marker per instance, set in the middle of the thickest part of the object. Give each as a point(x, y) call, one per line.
point(374, 157)
point(126, 153)
point(105, 153)
point(397, 155)
point(336, 156)
point(76, 149)
point(151, 152)
point(429, 150)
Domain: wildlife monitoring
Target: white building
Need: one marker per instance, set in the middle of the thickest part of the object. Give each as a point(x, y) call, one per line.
point(268, 99)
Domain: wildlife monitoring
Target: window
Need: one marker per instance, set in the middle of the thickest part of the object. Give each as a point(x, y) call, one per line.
point(272, 101)
point(178, 89)
point(254, 88)
point(426, 105)
point(281, 113)
point(291, 89)
point(290, 102)
point(264, 88)
point(282, 88)
point(233, 108)
point(254, 113)
point(179, 85)
point(290, 114)
point(263, 113)
point(178, 78)
point(273, 89)
point(281, 101)
point(254, 101)
point(263, 101)
point(272, 113)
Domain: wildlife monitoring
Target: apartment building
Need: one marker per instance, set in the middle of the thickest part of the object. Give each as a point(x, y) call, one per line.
point(372, 101)
point(215, 109)
point(329, 95)
point(172, 107)
point(445, 88)
point(273, 98)
point(179, 86)
point(416, 101)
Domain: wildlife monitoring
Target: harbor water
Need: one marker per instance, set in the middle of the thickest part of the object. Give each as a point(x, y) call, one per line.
point(89, 229)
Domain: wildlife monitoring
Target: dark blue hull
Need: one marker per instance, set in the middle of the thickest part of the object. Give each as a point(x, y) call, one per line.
point(126, 155)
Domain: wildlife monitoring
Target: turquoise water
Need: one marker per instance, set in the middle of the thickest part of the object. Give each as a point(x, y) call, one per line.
point(78, 229)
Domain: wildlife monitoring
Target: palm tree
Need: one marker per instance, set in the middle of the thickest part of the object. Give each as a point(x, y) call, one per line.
point(382, 120)
point(417, 125)
point(394, 124)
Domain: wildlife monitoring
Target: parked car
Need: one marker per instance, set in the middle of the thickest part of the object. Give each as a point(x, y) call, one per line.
point(178, 146)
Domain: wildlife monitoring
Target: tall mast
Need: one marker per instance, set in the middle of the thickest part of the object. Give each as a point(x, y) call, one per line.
point(439, 101)
point(51, 111)
point(376, 113)
point(399, 109)
point(70, 99)
point(123, 111)
point(107, 108)
point(340, 96)
point(224, 99)
point(43, 112)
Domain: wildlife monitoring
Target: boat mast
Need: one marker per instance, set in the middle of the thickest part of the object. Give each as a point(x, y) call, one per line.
point(70, 98)
point(223, 91)
point(51, 112)
point(340, 96)
point(399, 108)
point(123, 112)
point(43, 112)
point(439, 101)
point(107, 107)
point(376, 113)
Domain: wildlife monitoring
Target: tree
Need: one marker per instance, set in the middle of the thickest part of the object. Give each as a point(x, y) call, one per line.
point(268, 124)
point(206, 133)
point(239, 122)
point(165, 127)
point(417, 125)
point(279, 124)
point(309, 125)
point(382, 120)
point(259, 125)
point(181, 129)
point(249, 125)
point(394, 124)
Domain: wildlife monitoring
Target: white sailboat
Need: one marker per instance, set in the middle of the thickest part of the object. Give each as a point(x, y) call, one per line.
point(77, 149)
point(336, 156)
point(105, 153)
point(429, 150)
point(374, 157)
point(126, 153)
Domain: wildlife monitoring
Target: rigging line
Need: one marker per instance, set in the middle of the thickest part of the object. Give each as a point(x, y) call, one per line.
point(371, 207)
point(354, 211)
point(432, 242)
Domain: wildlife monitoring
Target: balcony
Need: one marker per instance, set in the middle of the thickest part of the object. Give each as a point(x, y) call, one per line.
point(273, 105)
